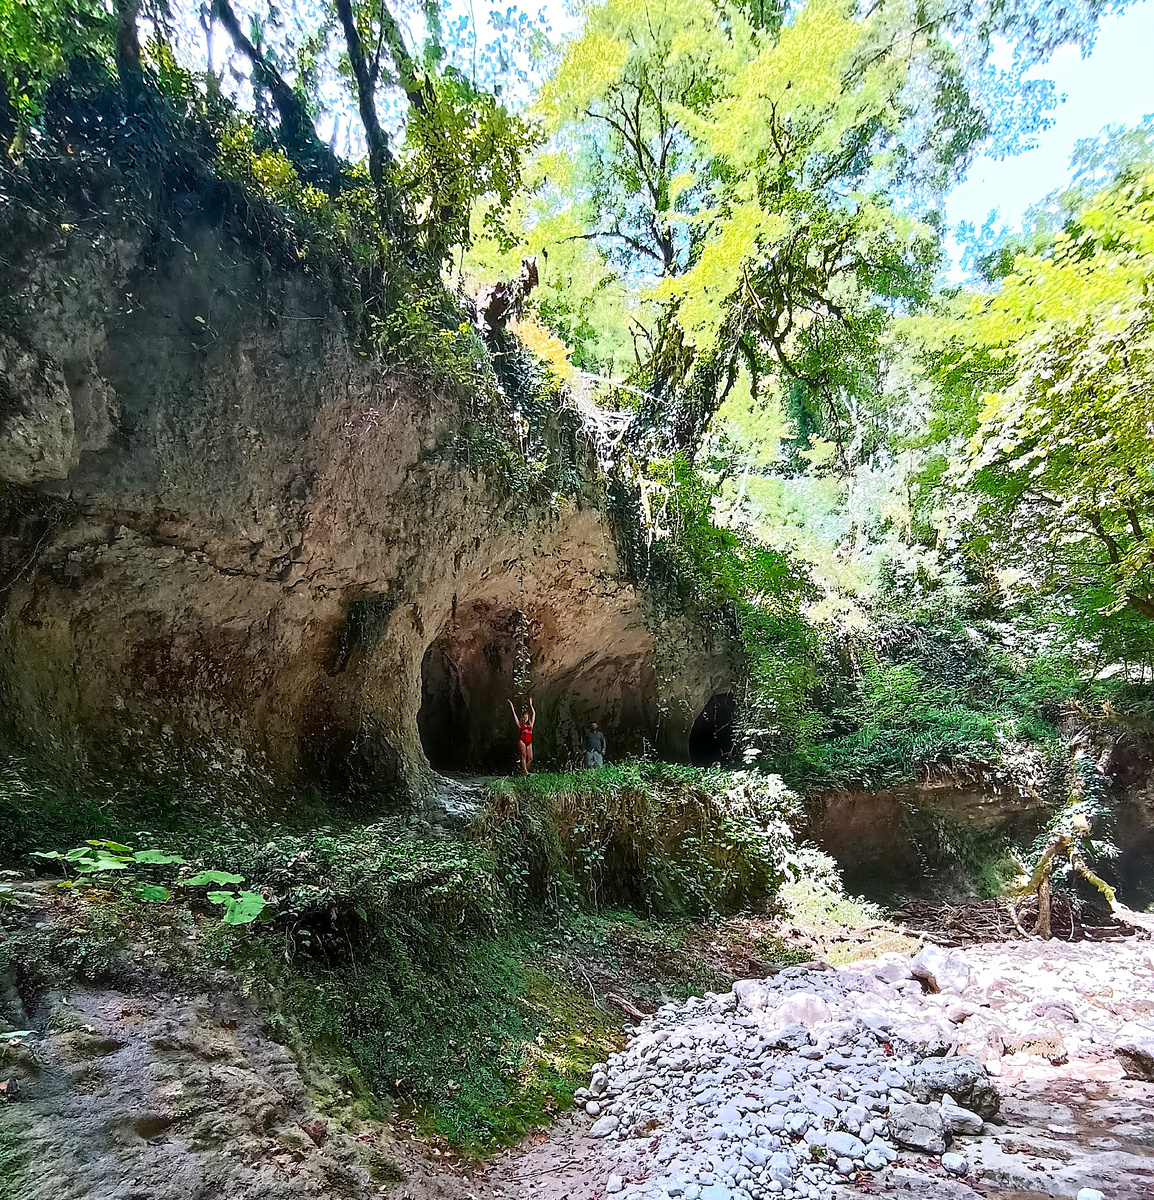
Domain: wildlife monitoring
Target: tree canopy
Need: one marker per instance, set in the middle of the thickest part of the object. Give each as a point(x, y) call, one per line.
point(1060, 455)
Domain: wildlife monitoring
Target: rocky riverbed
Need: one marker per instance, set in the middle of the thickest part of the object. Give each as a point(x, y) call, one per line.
point(1024, 1066)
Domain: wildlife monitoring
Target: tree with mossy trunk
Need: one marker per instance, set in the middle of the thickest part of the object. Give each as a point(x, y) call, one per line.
point(1066, 851)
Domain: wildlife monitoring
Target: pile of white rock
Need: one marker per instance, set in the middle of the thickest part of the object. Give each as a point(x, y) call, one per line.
point(789, 1086)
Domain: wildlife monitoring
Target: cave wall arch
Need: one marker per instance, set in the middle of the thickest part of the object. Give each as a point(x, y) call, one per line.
point(578, 667)
point(248, 557)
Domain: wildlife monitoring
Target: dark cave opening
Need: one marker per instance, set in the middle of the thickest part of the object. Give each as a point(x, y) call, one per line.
point(492, 652)
point(442, 717)
point(468, 675)
point(711, 740)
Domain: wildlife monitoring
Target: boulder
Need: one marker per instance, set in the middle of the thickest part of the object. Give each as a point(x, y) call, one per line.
point(1136, 1056)
point(918, 1127)
point(923, 1038)
point(965, 1080)
point(751, 995)
point(891, 968)
point(792, 1037)
point(802, 1008)
point(955, 1164)
point(845, 1145)
point(959, 1120)
point(940, 970)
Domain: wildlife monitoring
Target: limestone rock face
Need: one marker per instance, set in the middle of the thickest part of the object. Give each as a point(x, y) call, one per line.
point(230, 538)
point(38, 436)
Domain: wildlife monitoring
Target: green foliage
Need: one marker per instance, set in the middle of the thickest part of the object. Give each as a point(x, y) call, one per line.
point(747, 591)
point(1088, 818)
point(394, 948)
point(744, 169)
point(386, 231)
point(98, 856)
point(464, 148)
point(1054, 483)
point(929, 688)
point(98, 859)
point(657, 838)
point(38, 39)
point(424, 335)
point(14, 1155)
point(54, 954)
point(434, 965)
point(238, 908)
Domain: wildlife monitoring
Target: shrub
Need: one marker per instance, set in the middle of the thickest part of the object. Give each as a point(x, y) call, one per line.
point(656, 837)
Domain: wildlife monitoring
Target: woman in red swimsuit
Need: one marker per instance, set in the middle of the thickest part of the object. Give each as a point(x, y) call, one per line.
point(525, 723)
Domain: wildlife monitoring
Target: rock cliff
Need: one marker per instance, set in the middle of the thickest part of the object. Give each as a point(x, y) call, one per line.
point(233, 538)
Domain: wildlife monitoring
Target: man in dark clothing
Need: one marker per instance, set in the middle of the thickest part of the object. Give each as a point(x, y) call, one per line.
point(594, 747)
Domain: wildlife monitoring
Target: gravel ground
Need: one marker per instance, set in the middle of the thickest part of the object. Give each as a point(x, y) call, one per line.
point(1001, 1067)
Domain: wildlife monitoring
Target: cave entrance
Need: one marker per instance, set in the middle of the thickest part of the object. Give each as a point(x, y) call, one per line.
point(444, 711)
point(492, 651)
point(711, 740)
point(468, 675)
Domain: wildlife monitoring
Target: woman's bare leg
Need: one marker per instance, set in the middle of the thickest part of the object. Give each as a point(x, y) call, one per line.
point(528, 758)
point(524, 762)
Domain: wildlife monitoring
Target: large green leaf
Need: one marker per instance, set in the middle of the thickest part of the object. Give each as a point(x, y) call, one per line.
point(239, 908)
point(202, 877)
point(100, 865)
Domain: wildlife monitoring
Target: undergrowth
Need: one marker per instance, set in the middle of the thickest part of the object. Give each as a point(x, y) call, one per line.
point(447, 973)
point(656, 837)
point(13, 1158)
point(47, 806)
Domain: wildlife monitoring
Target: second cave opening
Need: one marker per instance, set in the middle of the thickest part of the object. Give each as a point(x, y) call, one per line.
point(712, 740)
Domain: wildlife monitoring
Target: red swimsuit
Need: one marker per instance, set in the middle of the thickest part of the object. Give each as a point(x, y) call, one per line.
point(526, 734)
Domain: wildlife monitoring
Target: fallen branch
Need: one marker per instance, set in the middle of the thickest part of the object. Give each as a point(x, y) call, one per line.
point(624, 1004)
point(1012, 910)
point(569, 1162)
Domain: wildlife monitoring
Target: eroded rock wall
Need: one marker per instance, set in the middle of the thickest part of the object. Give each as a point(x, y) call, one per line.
point(889, 840)
point(230, 536)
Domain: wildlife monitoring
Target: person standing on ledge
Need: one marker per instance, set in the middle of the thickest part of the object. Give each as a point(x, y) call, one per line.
point(525, 723)
point(594, 747)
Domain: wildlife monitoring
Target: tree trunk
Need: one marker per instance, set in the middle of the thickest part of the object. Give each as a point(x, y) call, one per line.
point(128, 45)
point(1042, 929)
point(7, 119)
point(366, 84)
point(1141, 604)
point(298, 135)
